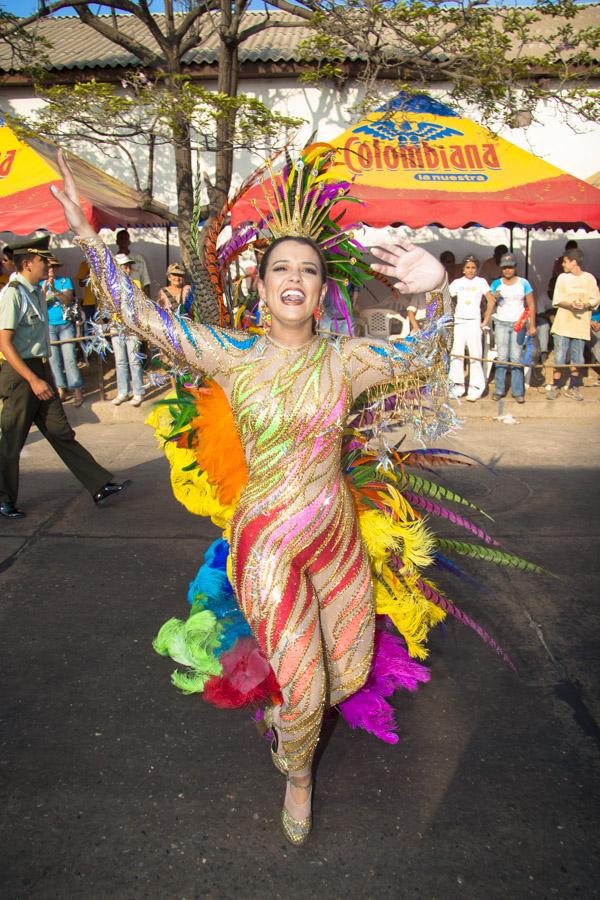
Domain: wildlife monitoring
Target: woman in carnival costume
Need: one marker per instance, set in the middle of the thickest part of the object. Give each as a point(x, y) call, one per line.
point(320, 533)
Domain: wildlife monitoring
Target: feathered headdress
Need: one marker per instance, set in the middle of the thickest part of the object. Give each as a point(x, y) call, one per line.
point(299, 201)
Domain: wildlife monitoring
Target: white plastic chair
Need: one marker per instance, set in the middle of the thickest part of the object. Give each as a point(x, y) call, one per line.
point(377, 323)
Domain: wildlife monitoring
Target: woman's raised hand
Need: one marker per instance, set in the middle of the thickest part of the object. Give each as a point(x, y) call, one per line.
point(69, 199)
point(413, 269)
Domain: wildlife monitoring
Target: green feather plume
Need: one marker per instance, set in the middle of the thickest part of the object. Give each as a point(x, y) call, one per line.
point(489, 554)
point(421, 486)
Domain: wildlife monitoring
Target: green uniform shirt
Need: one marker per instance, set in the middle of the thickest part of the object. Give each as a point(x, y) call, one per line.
point(24, 311)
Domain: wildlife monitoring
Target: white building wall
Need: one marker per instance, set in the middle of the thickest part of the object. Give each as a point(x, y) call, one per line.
point(571, 145)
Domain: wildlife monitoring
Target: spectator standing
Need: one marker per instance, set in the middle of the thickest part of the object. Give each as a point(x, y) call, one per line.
point(453, 269)
point(490, 268)
point(416, 311)
point(126, 349)
point(8, 268)
point(89, 298)
point(557, 267)
point(595, 339)
point(575, 296)
point(514, 301)
point(175, 293)
point(467, 293)
point(28, 396)
point(59, 296)
point(139, 265)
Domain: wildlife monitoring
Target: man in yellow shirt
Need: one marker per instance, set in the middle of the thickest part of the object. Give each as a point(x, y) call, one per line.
point(89, 298)
point(575, 296)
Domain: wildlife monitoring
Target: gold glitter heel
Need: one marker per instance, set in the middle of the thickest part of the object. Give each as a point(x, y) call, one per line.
point(296, 830)
point(279, 761)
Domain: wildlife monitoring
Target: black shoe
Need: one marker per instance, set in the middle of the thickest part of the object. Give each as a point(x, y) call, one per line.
point(497, 396)
point(10, 511)
point(519, 399)
point(109, 490)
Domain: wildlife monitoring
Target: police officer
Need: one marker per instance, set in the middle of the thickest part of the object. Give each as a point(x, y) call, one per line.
point(25, 387)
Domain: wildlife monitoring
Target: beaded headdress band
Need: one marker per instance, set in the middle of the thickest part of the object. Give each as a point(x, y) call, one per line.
point(299, 201)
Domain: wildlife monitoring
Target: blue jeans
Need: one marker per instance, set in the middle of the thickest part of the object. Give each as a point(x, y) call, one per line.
point(128, 365)
point(63, 359)
point(568, 347)
point(509, 345)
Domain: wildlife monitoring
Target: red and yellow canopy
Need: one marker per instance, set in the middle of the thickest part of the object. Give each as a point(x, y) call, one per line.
point(27, 170)
point(417, 163)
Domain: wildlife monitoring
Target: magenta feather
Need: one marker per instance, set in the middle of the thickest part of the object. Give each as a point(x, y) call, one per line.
point(444, 513)
point(434, 597)
point(392, 668)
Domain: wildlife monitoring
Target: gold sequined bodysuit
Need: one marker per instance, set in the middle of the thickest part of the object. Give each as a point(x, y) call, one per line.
point(301, 575)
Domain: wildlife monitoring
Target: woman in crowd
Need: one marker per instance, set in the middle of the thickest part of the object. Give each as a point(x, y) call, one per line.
point(59, 294)
point(175, 293)
point(514, 303)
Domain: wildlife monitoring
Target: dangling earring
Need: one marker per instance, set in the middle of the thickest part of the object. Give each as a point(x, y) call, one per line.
point(318, 313)
point(265, 315)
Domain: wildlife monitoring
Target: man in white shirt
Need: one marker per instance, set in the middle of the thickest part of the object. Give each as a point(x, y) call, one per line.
point(467, 293)
point(140, 266)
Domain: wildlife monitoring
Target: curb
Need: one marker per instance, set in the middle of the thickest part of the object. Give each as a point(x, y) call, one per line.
point(536, 406)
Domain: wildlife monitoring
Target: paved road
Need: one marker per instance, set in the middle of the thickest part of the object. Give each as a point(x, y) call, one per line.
point(115, 786)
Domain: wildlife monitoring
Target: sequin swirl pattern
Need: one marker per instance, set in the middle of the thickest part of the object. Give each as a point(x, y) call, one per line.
point(301, 574)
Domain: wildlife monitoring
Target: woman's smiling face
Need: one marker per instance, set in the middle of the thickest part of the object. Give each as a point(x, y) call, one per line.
point(293, 284)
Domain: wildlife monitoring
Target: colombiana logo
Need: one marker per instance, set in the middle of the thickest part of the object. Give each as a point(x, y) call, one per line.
point(433, 151)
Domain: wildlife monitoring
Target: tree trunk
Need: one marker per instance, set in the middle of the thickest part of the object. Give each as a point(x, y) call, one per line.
point(227, 83)
point(205, 308)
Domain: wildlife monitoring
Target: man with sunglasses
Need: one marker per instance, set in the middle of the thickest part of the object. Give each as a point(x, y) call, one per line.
point(514, 300)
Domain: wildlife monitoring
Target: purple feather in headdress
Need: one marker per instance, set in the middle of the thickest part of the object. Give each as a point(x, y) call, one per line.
point(392, 668)
point(242, 235)
point(331, 190)
point(337, 301)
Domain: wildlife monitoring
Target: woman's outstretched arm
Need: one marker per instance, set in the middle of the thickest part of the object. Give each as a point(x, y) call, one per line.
point(190, 346)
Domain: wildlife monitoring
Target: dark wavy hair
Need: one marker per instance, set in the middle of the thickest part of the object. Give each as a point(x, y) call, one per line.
point(262, 268)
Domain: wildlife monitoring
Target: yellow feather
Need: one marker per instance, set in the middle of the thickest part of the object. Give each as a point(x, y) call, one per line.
point(412, 614)
point(383, 535)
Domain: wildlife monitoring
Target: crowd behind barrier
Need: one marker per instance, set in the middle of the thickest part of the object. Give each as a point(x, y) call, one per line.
point(497, 322)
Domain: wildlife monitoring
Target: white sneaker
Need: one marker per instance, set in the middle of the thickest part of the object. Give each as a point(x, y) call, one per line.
point(120, 398)
point(457, 392)
point(473, 397)
point(136, 401)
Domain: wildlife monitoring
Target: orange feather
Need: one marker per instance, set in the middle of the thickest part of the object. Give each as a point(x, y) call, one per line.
point(216, 443)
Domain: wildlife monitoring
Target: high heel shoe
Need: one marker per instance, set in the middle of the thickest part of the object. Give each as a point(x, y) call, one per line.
point(297, 827)
point(279, 760)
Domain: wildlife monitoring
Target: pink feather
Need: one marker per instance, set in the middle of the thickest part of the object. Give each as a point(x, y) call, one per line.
point(392, 668)
point(434, 597)
point(437, 510)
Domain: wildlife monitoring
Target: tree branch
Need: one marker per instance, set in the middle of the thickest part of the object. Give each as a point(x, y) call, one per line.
point(305, 10)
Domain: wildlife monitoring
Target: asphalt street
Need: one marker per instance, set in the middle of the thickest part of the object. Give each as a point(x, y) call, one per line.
point(116, 786)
